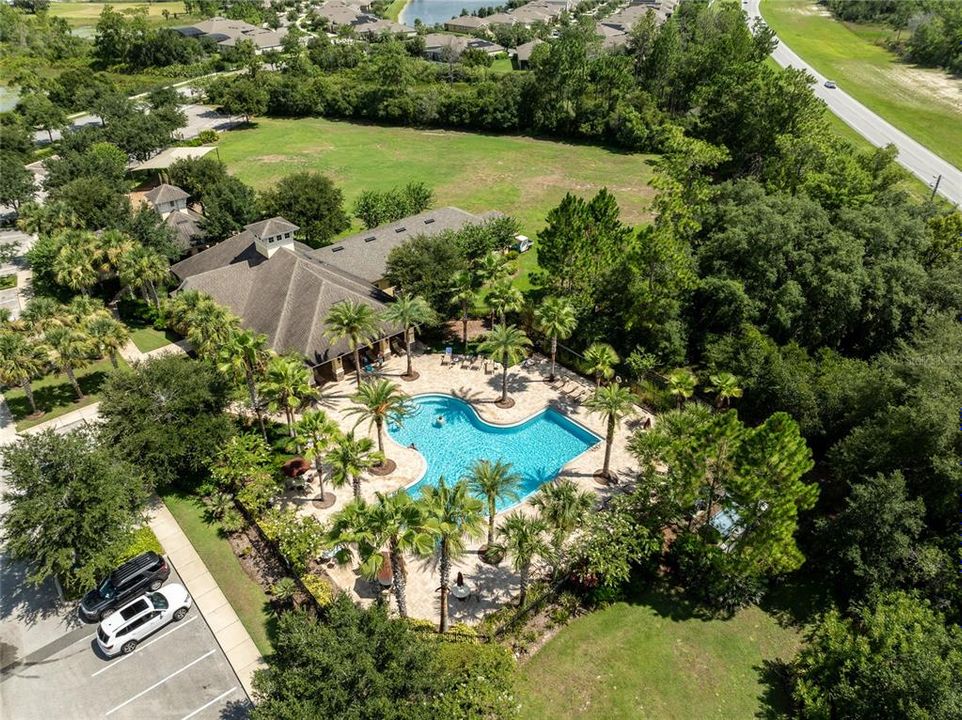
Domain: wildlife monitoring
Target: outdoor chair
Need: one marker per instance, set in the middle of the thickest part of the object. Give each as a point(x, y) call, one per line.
point(475, 362)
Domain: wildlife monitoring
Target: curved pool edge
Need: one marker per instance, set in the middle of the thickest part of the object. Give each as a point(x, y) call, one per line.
point(480, 418)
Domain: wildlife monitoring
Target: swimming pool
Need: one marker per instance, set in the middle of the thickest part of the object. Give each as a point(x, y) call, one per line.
point(537, 448)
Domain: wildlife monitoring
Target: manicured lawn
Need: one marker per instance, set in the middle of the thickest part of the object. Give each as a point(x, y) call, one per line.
point(653, 659)
point(87, 13)
point(247, 598)
point(147, 339)
point(521, 176)
point(55, 396)
point(922, 102)
point(394, 9)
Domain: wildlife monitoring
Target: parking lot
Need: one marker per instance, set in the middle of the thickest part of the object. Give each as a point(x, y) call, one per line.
point(179, 672)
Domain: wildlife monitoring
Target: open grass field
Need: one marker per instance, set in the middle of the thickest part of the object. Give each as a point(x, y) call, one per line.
point(653, 659)
point(79, 14)
point(520, 176)
point(245, 596)
point(54, 394)
point(922, 102)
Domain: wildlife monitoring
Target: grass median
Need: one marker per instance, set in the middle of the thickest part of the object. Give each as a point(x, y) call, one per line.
point(247, 598)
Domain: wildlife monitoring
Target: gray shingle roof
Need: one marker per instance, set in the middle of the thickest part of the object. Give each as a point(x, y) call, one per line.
point(286, 297)
point(165, 193)
point(187, 225)
point(271, 227)
point(365, 255)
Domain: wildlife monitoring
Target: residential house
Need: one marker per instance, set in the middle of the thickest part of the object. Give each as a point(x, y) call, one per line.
point(445, 47)
point(227, 33)
point(521, 58)
point(377, 26)
point(466, 24)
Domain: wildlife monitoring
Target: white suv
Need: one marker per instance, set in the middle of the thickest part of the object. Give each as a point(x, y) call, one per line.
point(121, 631)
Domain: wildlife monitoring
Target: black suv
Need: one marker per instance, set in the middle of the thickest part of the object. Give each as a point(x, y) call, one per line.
point(135, 577)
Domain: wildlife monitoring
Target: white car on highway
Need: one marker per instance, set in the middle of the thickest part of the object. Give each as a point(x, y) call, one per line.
point(121, 631)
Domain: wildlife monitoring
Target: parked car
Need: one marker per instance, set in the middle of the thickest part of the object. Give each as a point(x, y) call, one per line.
point(147, 571)
point(122, 630)
point(830, 84)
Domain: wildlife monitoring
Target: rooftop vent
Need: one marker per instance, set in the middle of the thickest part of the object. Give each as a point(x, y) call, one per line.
point(400, 229)
point(370, 239)
point(337, 248)
point(429, 221)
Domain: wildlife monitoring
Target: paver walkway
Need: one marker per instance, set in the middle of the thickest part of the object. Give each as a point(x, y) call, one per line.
point(231, 634)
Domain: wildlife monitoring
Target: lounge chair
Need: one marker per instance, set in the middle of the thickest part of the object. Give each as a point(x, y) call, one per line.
point(475, 362)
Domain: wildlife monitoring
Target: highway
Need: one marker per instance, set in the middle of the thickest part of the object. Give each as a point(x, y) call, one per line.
point(918, 160)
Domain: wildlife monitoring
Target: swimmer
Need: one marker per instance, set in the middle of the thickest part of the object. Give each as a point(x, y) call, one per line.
point(413, 446)
point(440, 420)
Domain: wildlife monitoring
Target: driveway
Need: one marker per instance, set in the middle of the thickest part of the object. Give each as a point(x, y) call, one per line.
point(179, 672)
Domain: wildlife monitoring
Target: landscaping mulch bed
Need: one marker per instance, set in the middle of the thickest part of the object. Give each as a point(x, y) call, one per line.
point(260, 563)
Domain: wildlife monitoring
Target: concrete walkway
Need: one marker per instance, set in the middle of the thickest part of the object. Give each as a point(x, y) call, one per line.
point(231, 635)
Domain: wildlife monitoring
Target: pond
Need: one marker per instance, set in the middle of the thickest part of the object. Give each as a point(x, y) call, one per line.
point(438, 11)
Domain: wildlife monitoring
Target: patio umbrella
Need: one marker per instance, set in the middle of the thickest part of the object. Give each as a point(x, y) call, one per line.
point(295, 467)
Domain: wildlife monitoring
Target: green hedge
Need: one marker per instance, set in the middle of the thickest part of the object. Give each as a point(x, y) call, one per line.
point(143, 540)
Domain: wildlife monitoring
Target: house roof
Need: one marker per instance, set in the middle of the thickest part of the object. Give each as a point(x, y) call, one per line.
point(365, 254)
point(523, 52)
point(165, 193)
point(165, 158)
point(187, 225)
point(271, 227)
point(378, 26)
point(467, 21)
point(286, 297)
point(434, 42)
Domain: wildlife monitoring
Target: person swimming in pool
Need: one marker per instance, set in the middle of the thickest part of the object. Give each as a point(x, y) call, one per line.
point(440, 421)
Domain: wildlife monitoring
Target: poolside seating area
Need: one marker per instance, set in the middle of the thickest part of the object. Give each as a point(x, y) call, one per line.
point(478, 381)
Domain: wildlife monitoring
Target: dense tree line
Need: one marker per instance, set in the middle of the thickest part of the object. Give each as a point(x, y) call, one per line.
point(675, 73)
point(935, 27)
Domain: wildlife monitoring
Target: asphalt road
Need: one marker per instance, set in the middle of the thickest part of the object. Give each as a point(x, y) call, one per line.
point(915, 158)
point(179, 672)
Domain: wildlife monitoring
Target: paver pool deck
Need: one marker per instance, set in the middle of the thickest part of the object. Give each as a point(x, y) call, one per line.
point(491, 586)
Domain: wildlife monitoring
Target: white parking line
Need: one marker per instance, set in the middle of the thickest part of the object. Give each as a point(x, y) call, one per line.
point(159, 683)
point(117, 662)
point(204, 707)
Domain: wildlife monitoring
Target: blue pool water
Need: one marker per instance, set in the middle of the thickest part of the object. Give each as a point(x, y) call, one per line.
point(537, 448)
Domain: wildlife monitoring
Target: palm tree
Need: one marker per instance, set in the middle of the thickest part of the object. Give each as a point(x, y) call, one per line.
point(562, 506)
point(504, 298)
point(22, 360)
point(245, 354)
point(114, 245)
point(179, 309)
point(109, 336)
point(70, 350)
point(45, 219)
point(209, 326)
point(601, 359)
point(73, 268)
point(287, 386)
point(144, 268)
point(681, 384)
point(491, 268)
point(493, 481)
point(315, 432)
point(43, 313)
point(455, 514)
point(507, 345)
point(523, 541)
point(396, 521)
point(381, 401)
point(614, 403)
point(355, 321)
point(349, 458)
point(410, 313)
point(556, 319)
point(726, 386)
point(463, 295)
point(82, 310)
